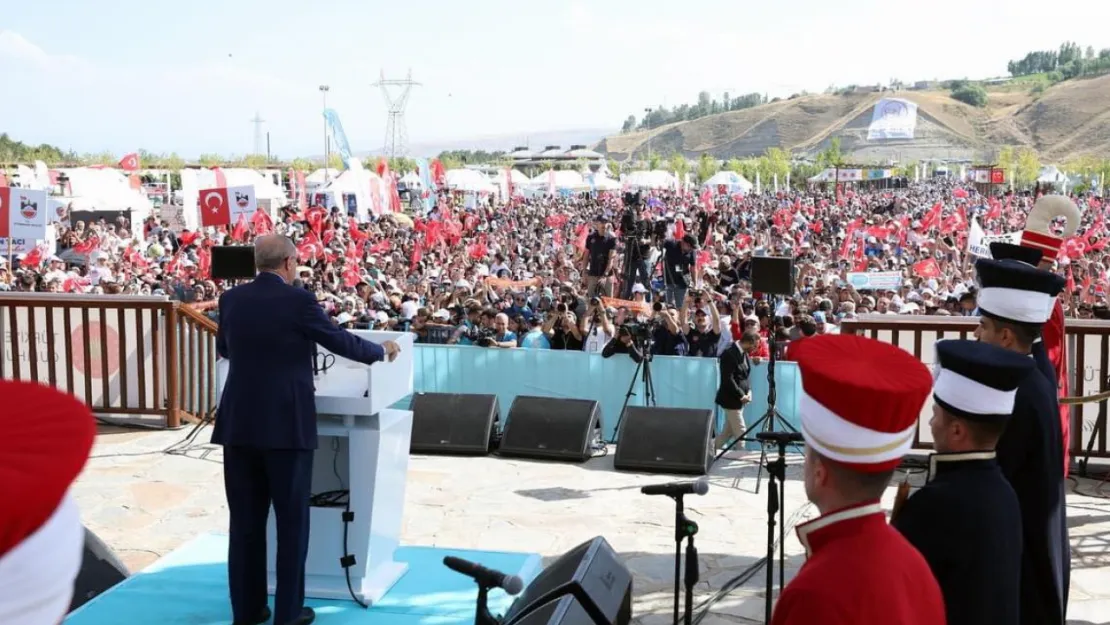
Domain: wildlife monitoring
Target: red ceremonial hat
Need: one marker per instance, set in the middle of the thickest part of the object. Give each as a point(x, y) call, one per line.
point(861, 399)
point(45, 439)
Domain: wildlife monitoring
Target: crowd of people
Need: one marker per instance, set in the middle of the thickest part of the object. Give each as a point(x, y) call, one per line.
point(569, 272)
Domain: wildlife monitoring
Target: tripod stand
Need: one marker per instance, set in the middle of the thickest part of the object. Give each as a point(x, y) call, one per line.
point(643, 371)
point(776, 494)
point(765, 424)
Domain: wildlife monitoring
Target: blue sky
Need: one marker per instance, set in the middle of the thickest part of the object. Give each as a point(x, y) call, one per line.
point(187, 76)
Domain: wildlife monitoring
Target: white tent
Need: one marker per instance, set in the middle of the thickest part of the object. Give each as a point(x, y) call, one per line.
point(320, 177)
point(600, 182)
point(1050, 174)
point(657, 179)
point(564, 179)
point(107, 189)
point(733, 181)
point(470, 181)
point(361, 185)
point(264, 188)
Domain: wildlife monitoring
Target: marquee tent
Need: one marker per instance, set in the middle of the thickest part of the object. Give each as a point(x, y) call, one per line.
point(733, 181)
point(657, 179)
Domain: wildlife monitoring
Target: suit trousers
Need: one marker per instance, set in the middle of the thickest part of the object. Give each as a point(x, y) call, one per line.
point(253, 480)
point(734, 427)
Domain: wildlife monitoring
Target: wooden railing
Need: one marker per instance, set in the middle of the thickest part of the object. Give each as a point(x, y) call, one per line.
point(142, 359)
point(1088, 344)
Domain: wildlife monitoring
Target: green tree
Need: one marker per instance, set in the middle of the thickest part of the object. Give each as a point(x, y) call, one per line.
point(974, 95)
point(254, 161)
point(655, 161)
point(335, 161)
point(614, 168)
point(1027, 168)
point(210, 160)
point(778, 163)
point(707, 166)
point(173, 162)
point(679, 164)
point(401, 164)
point(735, 165)
point(302, 164)
point(830, 156)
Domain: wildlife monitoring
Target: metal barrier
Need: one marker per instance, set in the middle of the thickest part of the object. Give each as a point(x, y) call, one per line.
point(1088, 349)
point(143, 359)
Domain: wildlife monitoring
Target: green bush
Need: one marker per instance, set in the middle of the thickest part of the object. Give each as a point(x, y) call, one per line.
point(970, 94)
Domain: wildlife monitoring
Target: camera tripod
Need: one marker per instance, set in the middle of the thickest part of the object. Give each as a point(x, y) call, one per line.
point(643, 371)
point(765, 425)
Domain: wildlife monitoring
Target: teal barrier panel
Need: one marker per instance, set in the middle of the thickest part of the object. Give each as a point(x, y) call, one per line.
point(507, 373)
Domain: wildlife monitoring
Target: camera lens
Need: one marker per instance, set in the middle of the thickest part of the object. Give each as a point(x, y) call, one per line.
point(657, 306)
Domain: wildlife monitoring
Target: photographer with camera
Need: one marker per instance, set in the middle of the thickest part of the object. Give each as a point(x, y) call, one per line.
point(705, 334)
point(625, 343)
point(561, 329)
point(596, 327)
point(636, 236)
point(667, 336)
point(678, 258)
point(598, 256)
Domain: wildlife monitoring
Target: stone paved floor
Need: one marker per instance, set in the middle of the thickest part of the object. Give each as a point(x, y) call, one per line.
point(144, 503)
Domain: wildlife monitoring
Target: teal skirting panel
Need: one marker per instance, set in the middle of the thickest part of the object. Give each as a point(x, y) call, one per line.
point(678, 382)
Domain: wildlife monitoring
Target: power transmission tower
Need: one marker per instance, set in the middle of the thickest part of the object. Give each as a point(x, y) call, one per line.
point(396, 132)
point(259, 136)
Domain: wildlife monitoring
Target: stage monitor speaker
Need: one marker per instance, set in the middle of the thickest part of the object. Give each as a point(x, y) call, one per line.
point(665, 440)
point(565, 610)
point(233, 262)
point(454, 423)
point(773, 275)
point(592, 575)
point(100, 570)
point(550, 428)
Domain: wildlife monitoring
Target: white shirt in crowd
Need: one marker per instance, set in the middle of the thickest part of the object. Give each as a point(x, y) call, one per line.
point(596, 340)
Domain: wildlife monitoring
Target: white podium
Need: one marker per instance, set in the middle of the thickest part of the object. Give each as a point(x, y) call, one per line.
point(364, 448)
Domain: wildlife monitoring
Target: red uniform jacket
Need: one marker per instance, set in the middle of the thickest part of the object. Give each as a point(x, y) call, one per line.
point(860, 571)
point(1055, 344)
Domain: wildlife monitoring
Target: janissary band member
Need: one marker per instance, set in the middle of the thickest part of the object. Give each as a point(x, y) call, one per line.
point(1039, 235)
point(966, 520)
point(47, 436)
point(859, 409)
point(1015, 300)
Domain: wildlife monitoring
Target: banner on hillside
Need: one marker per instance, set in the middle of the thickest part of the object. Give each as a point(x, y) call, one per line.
point(23, 218)
point(892, 118)
point(875, 280)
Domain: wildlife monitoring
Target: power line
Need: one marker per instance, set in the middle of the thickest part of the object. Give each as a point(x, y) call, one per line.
point(396, 131)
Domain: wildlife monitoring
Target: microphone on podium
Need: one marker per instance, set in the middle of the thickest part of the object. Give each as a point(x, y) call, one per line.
point(699, 486)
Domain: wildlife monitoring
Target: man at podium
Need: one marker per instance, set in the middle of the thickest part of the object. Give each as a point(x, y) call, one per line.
point(266, 422)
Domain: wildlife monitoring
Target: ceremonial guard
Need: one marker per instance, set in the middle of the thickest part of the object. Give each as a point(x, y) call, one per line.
point(1031, 257)
point(1039, 235)
point(966, 520)
point(1015, 300)
point(859, 408)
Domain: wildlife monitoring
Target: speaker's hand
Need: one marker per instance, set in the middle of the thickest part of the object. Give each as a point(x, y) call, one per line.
point(391, 350)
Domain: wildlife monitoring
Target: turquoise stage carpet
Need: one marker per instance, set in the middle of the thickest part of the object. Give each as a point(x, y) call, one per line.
point(189, 587)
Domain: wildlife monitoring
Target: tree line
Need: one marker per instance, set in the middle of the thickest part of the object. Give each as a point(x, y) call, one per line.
point(706, 105)
point(1069, 61)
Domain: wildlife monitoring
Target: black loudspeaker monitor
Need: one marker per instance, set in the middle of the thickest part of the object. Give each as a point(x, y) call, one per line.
point(773, 275)
point(233, 262)
point(100, 570)
point(454, 423)
point(592, 575)
point(565, 610)
point(550, 428)
point(665, 440)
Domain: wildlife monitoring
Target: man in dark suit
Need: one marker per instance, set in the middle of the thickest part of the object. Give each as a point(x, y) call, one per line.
point(1015, 301)
point(735, 390)
point(966, 521)
point(267, 424)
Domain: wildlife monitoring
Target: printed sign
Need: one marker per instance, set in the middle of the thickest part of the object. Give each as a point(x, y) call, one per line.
point(892, 118)
point(876, 280)
point(23, 218)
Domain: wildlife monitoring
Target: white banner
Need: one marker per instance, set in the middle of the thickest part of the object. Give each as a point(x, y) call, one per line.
point(979, 244)
point(876, 280)
point(25, 211)
point(849, 175)
point(893, 118)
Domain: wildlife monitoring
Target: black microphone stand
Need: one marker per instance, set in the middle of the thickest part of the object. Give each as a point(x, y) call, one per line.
point(776, 494)
point(684, 528)
point(482, 614)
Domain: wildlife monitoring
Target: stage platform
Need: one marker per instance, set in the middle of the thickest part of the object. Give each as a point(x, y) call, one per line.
point(189, 587)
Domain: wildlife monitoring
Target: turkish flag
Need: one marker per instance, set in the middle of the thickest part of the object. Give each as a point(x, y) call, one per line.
point(129, 162)
point(214, 208)
point(5, 212)
point(927, 268)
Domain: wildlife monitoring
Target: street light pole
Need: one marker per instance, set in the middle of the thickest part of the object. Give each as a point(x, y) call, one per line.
point(327, 144)
point(647, 111)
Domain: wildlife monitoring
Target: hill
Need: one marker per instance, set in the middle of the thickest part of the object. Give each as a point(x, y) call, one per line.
point(1065, 120)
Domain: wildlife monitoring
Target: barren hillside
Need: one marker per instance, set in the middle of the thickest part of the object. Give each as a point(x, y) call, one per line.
point(1067, 119)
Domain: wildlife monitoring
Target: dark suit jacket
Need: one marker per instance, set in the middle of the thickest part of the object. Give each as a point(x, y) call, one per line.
point(735, 367)
point(1031, 454)
point(967, 523)
point(267, 331)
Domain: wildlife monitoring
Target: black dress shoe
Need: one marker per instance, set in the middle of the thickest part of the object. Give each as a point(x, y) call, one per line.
point(262, 617)
point(308, 616)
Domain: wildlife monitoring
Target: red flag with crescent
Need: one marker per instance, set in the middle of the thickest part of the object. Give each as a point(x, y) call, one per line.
point(5, 212)
point(214, 208)
point(129, 162)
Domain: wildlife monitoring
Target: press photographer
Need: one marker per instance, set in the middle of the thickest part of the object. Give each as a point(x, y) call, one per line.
point(561, 328)
point(637, 236)
point(626, 342)
point(600, 246)
point(678, 258)
point(667, 336)
point(596, 327)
